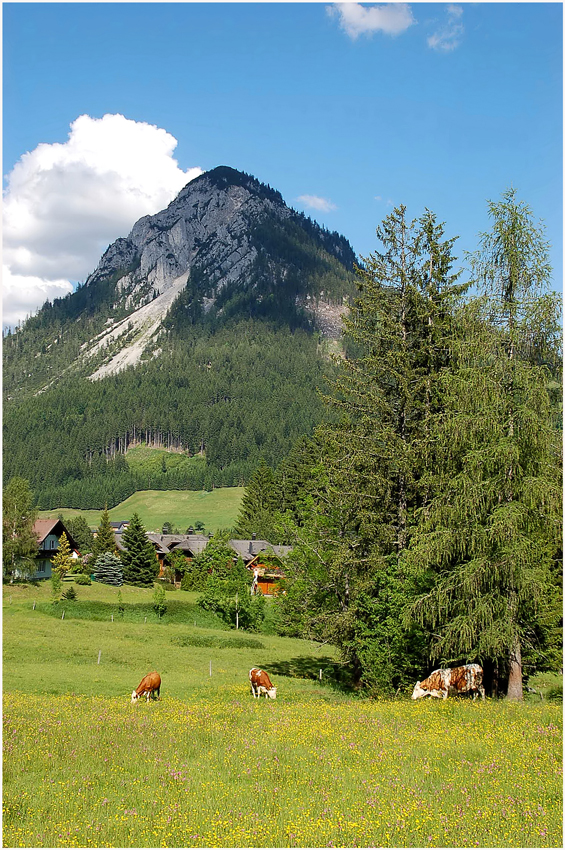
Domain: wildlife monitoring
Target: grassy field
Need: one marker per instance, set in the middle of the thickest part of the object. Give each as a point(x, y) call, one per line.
point(183, 508)
point(208, 766)
point(150, 460)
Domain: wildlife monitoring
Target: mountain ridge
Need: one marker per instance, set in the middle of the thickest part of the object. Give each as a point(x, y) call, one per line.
point(205, 330)
point(211, 231)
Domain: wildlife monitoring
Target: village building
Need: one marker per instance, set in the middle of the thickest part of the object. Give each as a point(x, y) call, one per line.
point(265, 560)
point(189, 544)
point(48, 533)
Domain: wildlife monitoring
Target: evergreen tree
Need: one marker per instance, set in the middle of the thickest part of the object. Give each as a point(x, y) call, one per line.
point(105, 540)
point(371, 480)
point(294, 474)
point(485, 551)
point(19, 543)
point(140, 563)
point(259, 505)
point(108, 569)
point(81, 533)
point(63, 560)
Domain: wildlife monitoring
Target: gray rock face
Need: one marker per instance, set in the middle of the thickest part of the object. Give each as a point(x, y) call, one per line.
point(204, 219)
point(208, 227)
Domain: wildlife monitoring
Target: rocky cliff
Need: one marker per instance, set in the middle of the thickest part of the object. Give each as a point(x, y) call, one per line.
point(213, 229)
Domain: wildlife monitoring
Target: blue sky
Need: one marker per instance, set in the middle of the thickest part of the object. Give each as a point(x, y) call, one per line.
point(345, 109)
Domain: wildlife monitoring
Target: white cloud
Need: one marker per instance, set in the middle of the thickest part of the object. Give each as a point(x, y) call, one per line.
point(314, 202)
point(23, 295)
point(448, 37)
point(65, 203)
point(356, 20)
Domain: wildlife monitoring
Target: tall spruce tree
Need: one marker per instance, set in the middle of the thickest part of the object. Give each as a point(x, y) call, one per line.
point(372, 479)
point(105, 540)
point(140, 565)
point(488, 539)
point(80, 531)
point(259, 505)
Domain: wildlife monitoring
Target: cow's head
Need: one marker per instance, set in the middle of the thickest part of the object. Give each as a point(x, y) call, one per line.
point(271, 693)
point(418, 691)
point(134, 697)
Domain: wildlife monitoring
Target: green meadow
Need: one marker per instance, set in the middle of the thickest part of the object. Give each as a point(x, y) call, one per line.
point(217, 509)
point(209, 766)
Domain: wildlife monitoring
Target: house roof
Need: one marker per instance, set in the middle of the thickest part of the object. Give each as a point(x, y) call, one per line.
point(249, 549)
point(193, 544)
point(42, 528)
point(165, 543)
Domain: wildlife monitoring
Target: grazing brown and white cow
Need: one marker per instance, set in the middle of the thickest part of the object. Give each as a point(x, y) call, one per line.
point(457, 680)
point(149, 685)
point(261, 684)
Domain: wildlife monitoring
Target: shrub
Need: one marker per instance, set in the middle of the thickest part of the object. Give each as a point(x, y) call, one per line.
point(82, 578)
point(70, 593)
point(56, 584)
point(226, 602)
point(159, 601)
point(108, 570)
point(121, 606)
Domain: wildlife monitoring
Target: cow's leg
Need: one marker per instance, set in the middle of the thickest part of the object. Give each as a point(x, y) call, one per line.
point(445, 694)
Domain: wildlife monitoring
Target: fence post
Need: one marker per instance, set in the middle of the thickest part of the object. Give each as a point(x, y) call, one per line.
point(99, 654)
point(210, 668)
point(320, 674)
point(63, 617)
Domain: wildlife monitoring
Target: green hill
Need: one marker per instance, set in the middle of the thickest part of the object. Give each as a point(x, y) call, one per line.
point(182, 508)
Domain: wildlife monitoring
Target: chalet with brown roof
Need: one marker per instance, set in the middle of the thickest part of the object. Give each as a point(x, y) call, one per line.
point(48, 533)
point(265, 560)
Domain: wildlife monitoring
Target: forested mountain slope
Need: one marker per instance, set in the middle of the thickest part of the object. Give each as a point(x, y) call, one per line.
point(199, 332)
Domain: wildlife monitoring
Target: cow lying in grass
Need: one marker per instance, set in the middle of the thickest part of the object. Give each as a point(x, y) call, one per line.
point(457, 680)
point(149, 685)
point(261, 685)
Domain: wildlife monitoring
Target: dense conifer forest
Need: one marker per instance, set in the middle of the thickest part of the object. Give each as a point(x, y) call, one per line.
point(246, 392)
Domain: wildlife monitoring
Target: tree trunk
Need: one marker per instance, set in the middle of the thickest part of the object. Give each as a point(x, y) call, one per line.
point(515, 675)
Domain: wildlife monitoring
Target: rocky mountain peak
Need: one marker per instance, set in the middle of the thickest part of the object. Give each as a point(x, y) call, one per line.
point(227, 247)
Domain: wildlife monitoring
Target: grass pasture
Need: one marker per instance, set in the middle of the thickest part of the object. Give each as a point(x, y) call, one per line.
point(208, 766)
point(217, 509)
